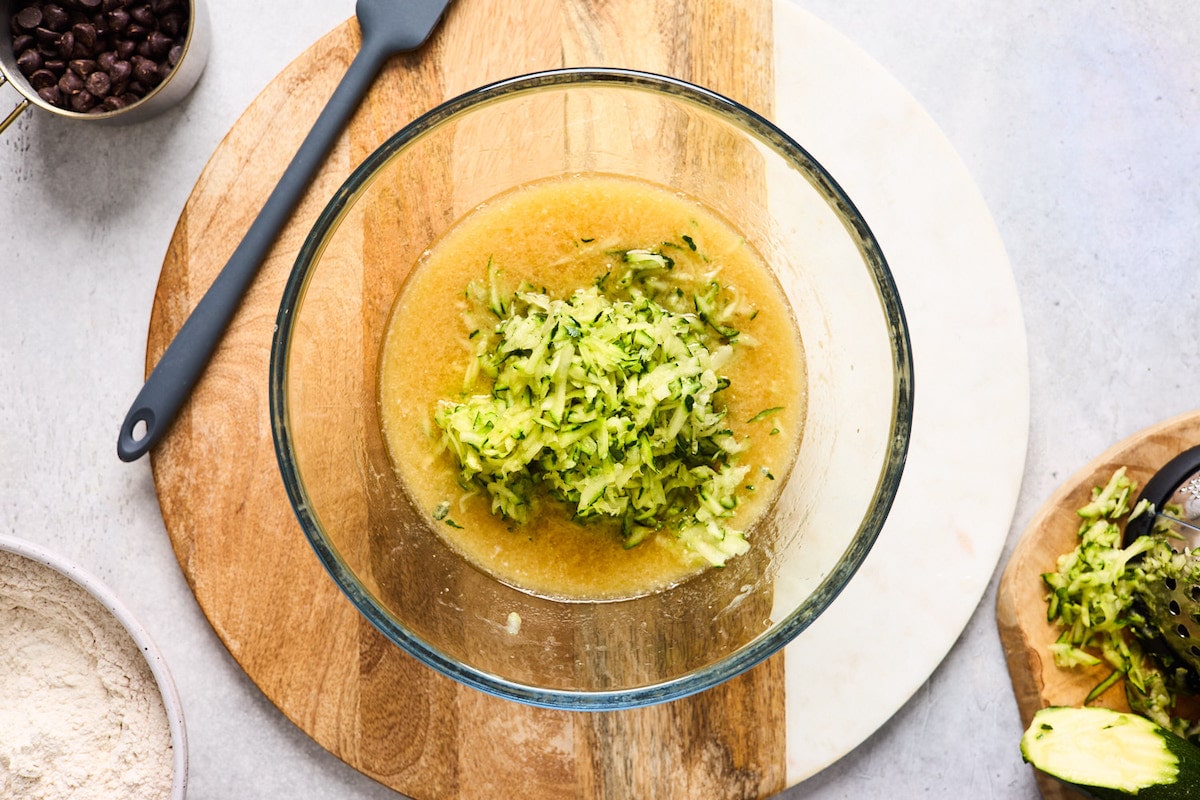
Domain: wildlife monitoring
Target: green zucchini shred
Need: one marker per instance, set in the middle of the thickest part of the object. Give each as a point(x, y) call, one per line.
point(607, 401)
point(766, 412)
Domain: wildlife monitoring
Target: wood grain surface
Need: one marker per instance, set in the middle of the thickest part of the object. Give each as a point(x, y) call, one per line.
point(1021, 599)
point(232, 528)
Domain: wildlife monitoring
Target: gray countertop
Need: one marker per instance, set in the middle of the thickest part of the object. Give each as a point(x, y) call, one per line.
point(1077, 120)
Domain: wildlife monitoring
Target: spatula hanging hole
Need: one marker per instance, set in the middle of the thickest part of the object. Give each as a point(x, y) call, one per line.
point(1170, 584)
point(1195, 650)
point(1196, 592)
point(1173, 607)
point(1182, 631)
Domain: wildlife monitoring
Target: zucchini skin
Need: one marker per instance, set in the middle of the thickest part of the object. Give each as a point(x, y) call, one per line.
point(1057, 720)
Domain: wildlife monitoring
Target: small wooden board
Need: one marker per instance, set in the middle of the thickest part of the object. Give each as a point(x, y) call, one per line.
point(1021, 599)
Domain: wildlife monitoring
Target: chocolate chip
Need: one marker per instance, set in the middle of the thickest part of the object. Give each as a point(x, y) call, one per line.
point(70, 83)
point(98, 83)
point(106, 59)
point(55, 18)
point(143, 15)
point(120, 71)
point(29, 61)
point(145, 70)
point(113, 103)
point(171, 24)
point(66, 44)
point(42, 79)
point(82, 66)
point(28, 18)
point(51, 95)
point(85, 34)
point(100, 22)
point(160, 45)
point(118, 19)
point(82, 101)
point(23, 42)
point(89, 5)
point(45, 36)
point(125, 48)
point(175, 54)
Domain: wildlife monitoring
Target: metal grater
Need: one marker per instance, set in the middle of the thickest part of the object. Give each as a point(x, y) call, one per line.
point(1173, 603)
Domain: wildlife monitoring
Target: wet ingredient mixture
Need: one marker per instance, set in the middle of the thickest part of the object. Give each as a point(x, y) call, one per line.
point(617, 392)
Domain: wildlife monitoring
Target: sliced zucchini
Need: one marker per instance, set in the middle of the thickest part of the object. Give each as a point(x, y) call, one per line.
point(1112, 754)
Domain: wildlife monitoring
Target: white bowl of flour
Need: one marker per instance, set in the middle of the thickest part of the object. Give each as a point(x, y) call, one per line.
point(88, 709)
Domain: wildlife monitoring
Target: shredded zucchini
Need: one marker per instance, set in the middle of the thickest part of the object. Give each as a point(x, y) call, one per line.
point(607, 401)
point(766, 412)
point(1093, 595)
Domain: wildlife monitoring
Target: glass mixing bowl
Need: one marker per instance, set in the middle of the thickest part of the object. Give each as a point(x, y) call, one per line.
point(382, 551)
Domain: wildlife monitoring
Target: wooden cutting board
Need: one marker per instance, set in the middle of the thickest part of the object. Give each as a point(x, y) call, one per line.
point(1021, 598)
point(229, 520)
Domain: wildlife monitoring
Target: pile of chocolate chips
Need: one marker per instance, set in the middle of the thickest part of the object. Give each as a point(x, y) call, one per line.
point(96, 56)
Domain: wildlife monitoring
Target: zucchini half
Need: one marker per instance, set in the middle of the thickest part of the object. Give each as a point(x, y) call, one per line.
point(1110, 754)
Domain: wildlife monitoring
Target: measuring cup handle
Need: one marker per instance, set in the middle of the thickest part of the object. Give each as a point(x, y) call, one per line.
point(16, 112)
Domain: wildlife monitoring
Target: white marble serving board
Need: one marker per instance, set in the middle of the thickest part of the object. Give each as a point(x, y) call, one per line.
point(895, 622)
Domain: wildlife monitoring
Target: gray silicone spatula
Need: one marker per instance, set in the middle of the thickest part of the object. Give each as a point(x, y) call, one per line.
point(388, 27)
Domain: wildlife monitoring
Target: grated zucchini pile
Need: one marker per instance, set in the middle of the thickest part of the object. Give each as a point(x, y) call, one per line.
point(1093, 597)
point(607, 401)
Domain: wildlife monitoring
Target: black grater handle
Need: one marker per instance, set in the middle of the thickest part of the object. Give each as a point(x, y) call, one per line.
point(1159, 489)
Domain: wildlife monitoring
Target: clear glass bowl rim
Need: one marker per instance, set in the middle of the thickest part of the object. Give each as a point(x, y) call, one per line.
point(759, 649)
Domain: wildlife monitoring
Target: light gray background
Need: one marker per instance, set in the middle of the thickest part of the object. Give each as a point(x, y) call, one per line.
point(1078, 120)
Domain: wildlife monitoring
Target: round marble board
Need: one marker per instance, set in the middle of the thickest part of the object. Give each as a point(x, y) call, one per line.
point(282, 619)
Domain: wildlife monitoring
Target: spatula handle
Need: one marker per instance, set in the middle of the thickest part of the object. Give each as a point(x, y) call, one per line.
point(172, 380)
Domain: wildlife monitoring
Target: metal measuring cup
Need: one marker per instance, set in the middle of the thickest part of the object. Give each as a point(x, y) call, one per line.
point(173, 88)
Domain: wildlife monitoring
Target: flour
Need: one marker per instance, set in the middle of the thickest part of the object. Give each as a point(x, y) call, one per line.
point(81, 716)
